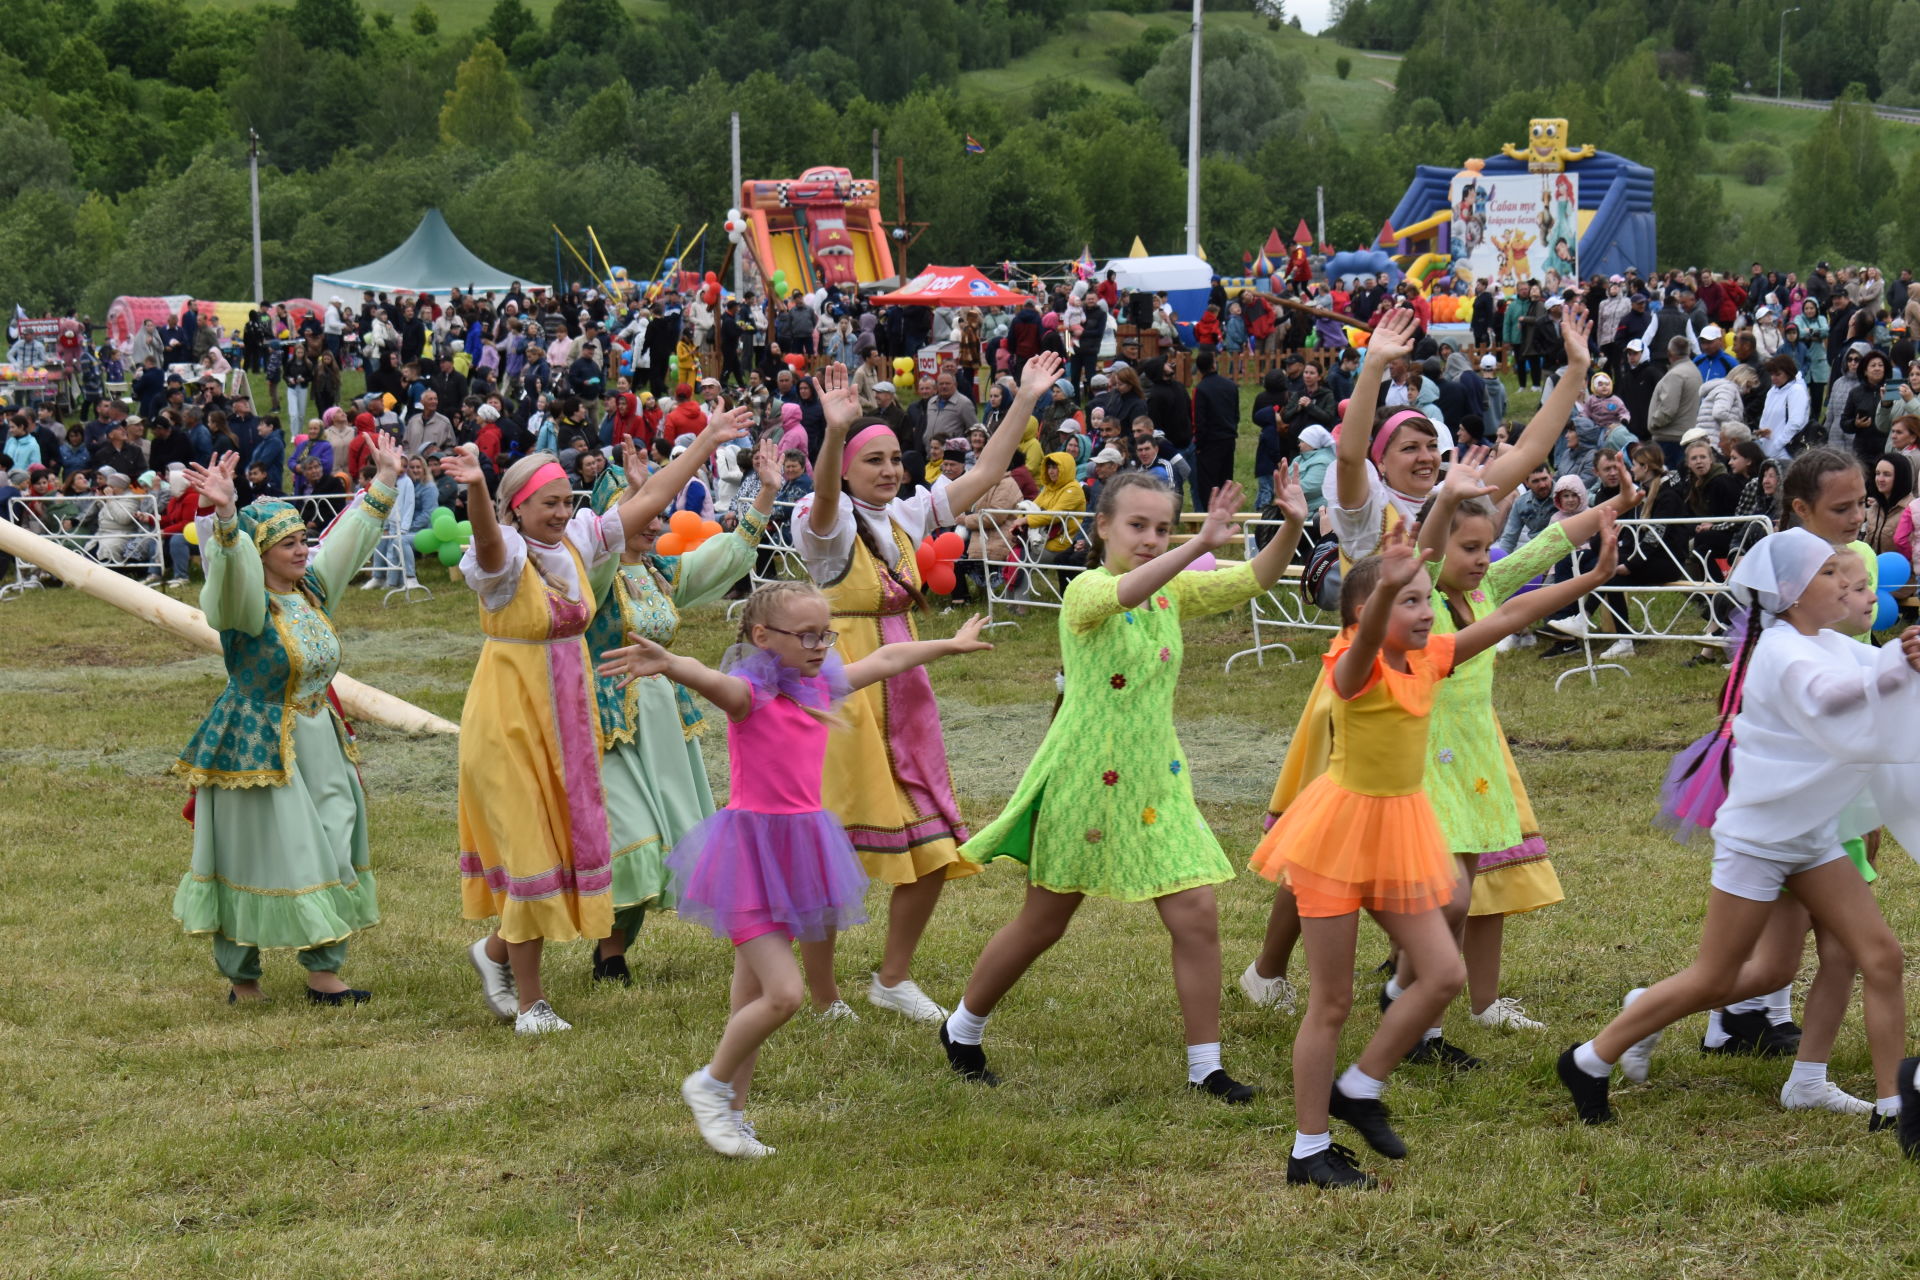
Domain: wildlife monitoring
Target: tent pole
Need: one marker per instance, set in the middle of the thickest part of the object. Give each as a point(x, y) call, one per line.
point(575, 252)
point(606, 263)
point(664, 255)
point(559, 276)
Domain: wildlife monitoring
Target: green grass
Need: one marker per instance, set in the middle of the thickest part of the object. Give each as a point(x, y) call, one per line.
point(1080, 55)
point(152, 1130)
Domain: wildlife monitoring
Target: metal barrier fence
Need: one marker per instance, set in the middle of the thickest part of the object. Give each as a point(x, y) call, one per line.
point(73, 521)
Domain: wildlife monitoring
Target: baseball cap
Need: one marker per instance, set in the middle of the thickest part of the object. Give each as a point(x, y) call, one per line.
point(1640, 297)
point(1109, 454)
point(1693, 434)
point(1710, 333)
point(1555, 302)
point(1616, 278)
point(1488, 362)
point(887, 387)
point(1636, 344)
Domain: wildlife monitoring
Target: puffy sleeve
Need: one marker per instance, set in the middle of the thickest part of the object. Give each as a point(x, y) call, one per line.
point(825, 555)
point(1517, 568)
point(352, 539)
point(1866, 714)
point(235, 595)
point(496, 589)
point(717, 563)
point(597, 537)
point(1090, 599)
point(1215, 590)
point(1358, 528)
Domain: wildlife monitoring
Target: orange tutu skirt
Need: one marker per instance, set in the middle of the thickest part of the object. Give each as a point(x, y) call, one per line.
point(1340, 851)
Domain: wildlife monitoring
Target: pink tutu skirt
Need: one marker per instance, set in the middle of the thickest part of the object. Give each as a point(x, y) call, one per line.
point(744, 874)
point(1696, 786)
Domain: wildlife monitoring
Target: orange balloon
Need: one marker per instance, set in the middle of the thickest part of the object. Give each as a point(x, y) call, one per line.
point(670, 544)
point(685, 523)
point(708, 528)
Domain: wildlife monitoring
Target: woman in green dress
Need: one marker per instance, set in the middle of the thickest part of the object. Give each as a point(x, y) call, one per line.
point(1106, 808)
point(652, 770)
point(279, 819)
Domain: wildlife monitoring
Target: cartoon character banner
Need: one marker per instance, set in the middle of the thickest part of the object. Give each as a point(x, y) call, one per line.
point(1511, 227)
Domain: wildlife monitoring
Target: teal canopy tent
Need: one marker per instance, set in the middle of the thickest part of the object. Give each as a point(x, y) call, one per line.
point(432, 260)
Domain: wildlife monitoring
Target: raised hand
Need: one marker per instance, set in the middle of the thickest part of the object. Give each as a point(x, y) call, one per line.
point(388, 461)
point(839, 402)
point(766, 463)
point(725, 428)
point(1394, 336)
point(1464, 476)
point(215, 484)
point(1910, 647)
point(1400, 559)
point(633, 464)
point(967, 638)
point(1220, 529)
point(462, 466)
point(1288, 495)
point(640, 658)
point(1575, 329)
point(1041, 372)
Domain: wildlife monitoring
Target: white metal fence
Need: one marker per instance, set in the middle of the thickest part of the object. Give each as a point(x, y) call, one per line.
point(74, 521)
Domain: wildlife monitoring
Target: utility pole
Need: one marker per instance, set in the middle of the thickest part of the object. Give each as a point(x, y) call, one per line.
point(1780, 60)
point(876, 164)
point(253, 179)
point(1320, 215)
point(1193, 138)
point(739, 257)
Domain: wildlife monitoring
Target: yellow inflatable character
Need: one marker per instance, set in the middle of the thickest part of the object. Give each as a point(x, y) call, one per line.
point(1546, 150)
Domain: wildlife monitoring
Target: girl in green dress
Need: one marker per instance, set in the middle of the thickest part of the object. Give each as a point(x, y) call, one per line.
point(279, 819)
point(1106, 808)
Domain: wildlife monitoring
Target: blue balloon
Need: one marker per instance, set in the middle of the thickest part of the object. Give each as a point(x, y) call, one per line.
point(1887, 614)
point(1498, 553)
point(1894, 570)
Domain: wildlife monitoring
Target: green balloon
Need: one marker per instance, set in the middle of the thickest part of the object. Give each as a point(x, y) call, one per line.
point(449, 555)
point(464, 530)
point(444, 523)
point(426, 542)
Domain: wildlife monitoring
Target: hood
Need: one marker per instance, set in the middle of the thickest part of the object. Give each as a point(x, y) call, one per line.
point(1066, 466)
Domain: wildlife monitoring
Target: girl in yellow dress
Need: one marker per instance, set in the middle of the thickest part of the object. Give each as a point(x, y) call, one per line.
point(1362, 835)
point(534, 847)
point(887, 778)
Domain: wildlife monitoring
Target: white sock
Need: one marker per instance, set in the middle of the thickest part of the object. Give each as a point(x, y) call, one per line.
point(1780, 1005)
point(1716, 1034)
point(1887, 1106)
point(707, 1080)
point(1758, 1004)
point(1807, 1073)
point(1394, 989)
point(1356, 1083)
point(1310, 1144)
point(1433, 1033)
point(1202, 1061)
point(1590, 1062)
point(964, 1026)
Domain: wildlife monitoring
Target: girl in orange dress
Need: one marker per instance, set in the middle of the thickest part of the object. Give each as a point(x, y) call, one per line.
point(1362, 835)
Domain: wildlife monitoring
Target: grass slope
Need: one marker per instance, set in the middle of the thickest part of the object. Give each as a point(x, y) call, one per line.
point(1080, 55)
point(152, 1130)
point(457, 16)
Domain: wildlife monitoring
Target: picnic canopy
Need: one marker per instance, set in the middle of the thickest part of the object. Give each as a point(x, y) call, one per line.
point(432, 260)
point(953, 287)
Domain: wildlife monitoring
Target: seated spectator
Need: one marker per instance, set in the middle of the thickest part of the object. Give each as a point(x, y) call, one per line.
point(125, 528)
point(1531, 511)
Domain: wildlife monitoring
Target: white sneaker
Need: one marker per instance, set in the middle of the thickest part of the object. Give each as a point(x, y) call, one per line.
point(411, 584)
point(1506, 1014)
point(1268, 993)
point(151, 580)
point(838, 1011)
point(1822, 1096)
point(750, 1145)
point(906, 998)
point(1618, 649)
point(496, 983)
point(176, 582)
point(1574, 626)
point(1518, 640)
point(539, 1020)
point(1638, 1059)
point(714, 1118)
point(371, 584)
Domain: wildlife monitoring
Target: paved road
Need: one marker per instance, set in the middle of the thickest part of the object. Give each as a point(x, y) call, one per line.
point(1899, 115)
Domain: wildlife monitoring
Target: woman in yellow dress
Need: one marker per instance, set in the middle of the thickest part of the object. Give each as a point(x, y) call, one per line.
point(534, 846)
point(858, 539)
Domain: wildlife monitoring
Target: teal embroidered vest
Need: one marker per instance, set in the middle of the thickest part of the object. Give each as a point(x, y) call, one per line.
point(636, 604)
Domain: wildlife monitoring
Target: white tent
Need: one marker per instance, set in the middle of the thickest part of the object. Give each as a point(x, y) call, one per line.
point(1183, 277)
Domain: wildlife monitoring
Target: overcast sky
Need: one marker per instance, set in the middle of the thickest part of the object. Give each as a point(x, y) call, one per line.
point(1313, 14)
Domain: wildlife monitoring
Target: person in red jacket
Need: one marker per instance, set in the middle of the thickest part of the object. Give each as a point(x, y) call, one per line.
point(686, 418)
point(181, 509)
point(1206, 330)
point(360, 448)
point(487, 438)
point(627, 422)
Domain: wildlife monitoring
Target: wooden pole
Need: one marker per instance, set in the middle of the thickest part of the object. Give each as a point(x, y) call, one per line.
point(362, 702)
point(1323, 313)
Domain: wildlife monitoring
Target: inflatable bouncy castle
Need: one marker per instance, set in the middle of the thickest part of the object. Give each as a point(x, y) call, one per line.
point(818, 229)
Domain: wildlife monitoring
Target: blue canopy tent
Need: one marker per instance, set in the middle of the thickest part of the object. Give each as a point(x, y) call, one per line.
point(432, 260)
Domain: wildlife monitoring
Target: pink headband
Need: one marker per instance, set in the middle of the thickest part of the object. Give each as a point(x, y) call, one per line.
point(547, 474)
point(859, 441)
point(1393, 424)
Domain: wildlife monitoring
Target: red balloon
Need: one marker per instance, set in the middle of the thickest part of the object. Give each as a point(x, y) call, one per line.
point(926, 557)
point(942, 579)
point(949, 547)
point(713, 277)
point(711, 294)
point(796, 361)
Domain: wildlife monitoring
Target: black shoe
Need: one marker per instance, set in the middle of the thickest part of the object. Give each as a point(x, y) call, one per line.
point(1876, 1122)
point(1560, 649)
point(1218, 1083)
point(1385, 967)
point(1744, 1031)
point(611, 969)
point(1369, 1118)
point(1777, 1040)
point(1589, 1093)
point(1909, 1120)
point(338, 998)
point(1333, 1167)
point(970, 1060)
point(1438, 1053)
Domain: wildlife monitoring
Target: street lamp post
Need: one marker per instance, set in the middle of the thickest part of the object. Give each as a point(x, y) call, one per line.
point(1780, 59)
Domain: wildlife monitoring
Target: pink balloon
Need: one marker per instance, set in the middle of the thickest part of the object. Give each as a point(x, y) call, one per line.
point(1203, 562)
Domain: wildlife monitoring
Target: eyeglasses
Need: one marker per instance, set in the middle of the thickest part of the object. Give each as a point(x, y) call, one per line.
point(809, 639)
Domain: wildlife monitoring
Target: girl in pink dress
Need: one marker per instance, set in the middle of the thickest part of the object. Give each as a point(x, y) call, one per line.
point(774, 865)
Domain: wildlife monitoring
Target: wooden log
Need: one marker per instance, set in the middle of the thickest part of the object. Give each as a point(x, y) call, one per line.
point(1323, 313)
point(362, 702)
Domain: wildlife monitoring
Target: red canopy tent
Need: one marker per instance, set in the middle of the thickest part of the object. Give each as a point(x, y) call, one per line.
point(952, 287)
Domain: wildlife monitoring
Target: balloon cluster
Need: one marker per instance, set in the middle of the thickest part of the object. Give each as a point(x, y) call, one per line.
point(685, 531)
point(903, 365)
point(935, 559)
point(445, 537)
point(1894, 573)
point(710, 289)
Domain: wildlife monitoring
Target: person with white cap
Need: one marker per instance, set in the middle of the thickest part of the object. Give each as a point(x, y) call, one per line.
point(1714, 360)
point(1825, 729)
point(1495, 391)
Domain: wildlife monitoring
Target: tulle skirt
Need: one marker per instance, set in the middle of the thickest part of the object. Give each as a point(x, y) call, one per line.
point(743, 874)
point(1696, 786)
point(1341, 851)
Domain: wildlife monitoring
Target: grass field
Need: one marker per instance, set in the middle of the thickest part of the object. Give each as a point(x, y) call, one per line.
point(152, 1130)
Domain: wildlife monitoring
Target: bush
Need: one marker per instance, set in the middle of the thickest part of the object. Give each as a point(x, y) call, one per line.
point(1719, 127)
point(1343, 66)
point(1135, 58)
point(1755, 162)
point(1720, 86)
point(1351, 231)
